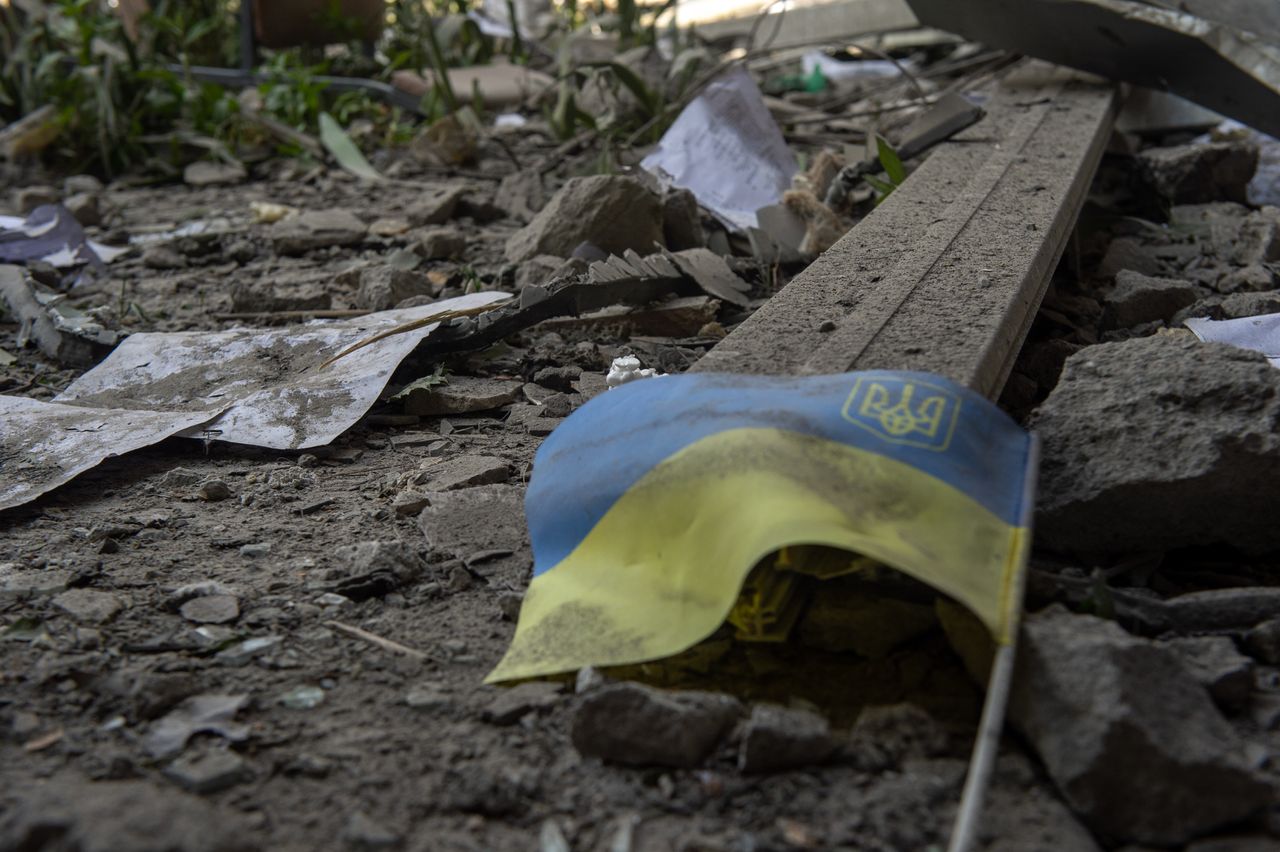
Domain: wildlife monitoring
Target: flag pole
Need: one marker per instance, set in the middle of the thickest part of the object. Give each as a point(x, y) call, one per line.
point(987, 743)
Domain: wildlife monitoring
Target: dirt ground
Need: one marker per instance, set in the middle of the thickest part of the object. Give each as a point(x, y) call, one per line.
point(341, 742)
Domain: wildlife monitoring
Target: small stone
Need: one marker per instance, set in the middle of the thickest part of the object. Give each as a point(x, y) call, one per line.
point(462, 395)
point(469, 520)
point(1216, 664)
point(1131, 740)
point(210, 173)
point(244, 652)
point(255, 551)
point(1255, 277)
point(427, 696)
point(779, 738)
point(84, 206)
point(636, 724)
point(302, 698)
point(587, 679)
point(180, 479)
point(460, 579)
point(681, 221)
point(163, 257)
point(410, 502)
point(440, 243)
point(435, 207)
point(1263, 642)
point(389, 227)
point(28, 198)
point(1136, 299)
point(316, 229)
point(211, 609)
point(282, 293)
point(211, 772)
point(509, 605)
point(109, 545)
point(89, 605)
point(18, 585)
point(613, 212)
point(521, 195)
point(513, 704)
point(77, 184)
point(885, 737)
point(73, 814)
point(1200, 173)
point(363, 833)
point(333, 600)
point(384, 287)
point(558, 378)
point(1126, 254)
point(463, 472)
point(214, 490)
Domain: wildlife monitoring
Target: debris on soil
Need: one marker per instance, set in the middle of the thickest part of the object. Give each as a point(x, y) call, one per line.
point(1103, 708)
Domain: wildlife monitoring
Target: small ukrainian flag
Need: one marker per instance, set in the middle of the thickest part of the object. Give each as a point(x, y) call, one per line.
point(650, 505)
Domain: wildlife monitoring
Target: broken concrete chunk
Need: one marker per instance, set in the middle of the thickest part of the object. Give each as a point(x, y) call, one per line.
point(1159, 443)
point(1216, 665)
point(1200, 173)
point(470, 520)
point(463, 472)
point(639, 725)
point(384, 287)
point(1124, 253)
point(1136, 299)
point(211, 772)
point(1254, 238)
point(612, 212)
point(210, 173)
point(211, 609)
point(1255, 277)
point(778, 738)
point(681, 221)
point(111, 816)
point(1263, 642)
point(1132, 741)
point(462, 395)
point(435, 207)
point(89, 605)
point(280, 295)
point(440, 243)
point(521, 195)
point(317, 229)
point(85, 207)
point(512, 705)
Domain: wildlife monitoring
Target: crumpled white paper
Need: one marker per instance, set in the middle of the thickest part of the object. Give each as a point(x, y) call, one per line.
point(1258, 334)
point(269, 382)
point(43, 445)
point(727, 150)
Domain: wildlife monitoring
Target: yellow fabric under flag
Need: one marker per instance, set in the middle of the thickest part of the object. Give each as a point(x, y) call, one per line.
point(650, 505)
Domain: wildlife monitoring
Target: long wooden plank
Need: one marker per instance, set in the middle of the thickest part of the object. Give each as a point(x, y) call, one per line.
point(947, 274)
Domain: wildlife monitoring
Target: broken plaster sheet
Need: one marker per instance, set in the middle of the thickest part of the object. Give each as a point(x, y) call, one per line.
point(727, 150)
point(50, 233)
point(43, 444)
point(1258, 334)
point(268, 381)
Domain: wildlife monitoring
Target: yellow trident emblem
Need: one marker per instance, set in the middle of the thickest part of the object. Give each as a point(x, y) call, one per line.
point(913, 413)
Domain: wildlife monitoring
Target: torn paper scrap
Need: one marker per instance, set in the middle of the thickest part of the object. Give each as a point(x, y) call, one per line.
point(268, 381)
point(43, 444)
point(1258, 334)
point(50, 233)
point(727, 150)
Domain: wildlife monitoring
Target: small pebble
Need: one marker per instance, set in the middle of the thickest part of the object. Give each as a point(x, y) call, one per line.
point(253, 551)
point(214, 490)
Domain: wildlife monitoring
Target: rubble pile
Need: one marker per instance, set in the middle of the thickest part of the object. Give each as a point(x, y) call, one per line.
point(269, 418)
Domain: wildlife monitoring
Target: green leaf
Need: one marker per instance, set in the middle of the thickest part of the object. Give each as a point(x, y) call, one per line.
point(892, 163)
point(339, 144)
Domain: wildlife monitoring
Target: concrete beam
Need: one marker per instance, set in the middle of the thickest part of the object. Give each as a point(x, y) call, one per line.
point(947, 274)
